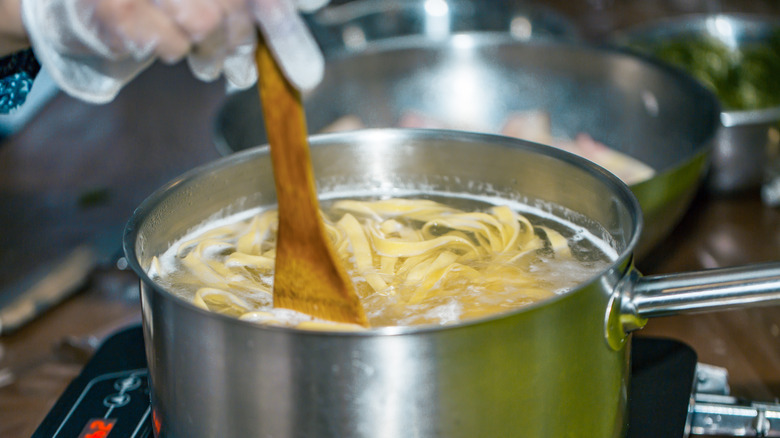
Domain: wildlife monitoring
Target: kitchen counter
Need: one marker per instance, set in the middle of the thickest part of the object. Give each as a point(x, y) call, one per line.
point(78, 168)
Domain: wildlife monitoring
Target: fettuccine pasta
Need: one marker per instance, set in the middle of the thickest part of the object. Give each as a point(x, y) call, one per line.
point(413, 261)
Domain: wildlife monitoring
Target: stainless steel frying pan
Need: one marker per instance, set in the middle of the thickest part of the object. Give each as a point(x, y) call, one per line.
point(473, 81)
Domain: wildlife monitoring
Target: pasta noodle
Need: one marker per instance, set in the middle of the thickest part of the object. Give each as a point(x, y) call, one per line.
point(413, 261)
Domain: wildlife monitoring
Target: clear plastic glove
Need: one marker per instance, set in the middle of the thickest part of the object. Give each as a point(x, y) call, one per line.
point(92, 48)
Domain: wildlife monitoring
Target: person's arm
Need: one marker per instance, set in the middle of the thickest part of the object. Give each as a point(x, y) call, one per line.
point(92, 48)
point(13, 38)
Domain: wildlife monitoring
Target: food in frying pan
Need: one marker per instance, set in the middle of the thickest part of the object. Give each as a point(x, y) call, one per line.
point(414, 261)
point(533, 125)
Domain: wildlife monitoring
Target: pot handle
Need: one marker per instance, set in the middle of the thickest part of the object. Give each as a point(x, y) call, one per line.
point(699, 291)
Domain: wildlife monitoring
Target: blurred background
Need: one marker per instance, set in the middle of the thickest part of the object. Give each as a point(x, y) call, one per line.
point(72, 173)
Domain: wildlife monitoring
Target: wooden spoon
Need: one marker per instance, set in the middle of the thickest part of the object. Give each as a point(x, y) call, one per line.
point(308, 276)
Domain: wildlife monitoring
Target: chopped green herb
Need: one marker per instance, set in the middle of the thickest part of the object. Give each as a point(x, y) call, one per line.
point(743, 79)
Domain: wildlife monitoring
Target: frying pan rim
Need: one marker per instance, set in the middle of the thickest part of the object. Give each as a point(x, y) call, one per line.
point(492, 40)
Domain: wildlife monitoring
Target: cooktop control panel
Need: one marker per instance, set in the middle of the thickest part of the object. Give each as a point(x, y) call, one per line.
point(110, 399)
point(114, 404)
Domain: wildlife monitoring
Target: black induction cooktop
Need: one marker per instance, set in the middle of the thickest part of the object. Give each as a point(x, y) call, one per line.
point(110, 398)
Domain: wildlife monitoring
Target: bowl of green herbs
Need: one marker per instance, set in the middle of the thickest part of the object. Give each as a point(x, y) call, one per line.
point(737, 56)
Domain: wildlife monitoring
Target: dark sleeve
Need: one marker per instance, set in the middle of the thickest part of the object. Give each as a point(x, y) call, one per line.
point(17, 72)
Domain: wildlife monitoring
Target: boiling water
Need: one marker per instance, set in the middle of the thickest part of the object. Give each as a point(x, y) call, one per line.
point(208, 267)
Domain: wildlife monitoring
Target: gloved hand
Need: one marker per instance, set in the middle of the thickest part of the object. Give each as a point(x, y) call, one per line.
point(92, 48)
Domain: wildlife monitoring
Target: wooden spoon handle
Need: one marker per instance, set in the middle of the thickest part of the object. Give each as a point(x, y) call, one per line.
point(308, 275)
point(286, 130)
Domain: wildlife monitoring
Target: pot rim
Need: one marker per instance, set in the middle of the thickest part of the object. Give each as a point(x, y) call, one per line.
point(617, 187)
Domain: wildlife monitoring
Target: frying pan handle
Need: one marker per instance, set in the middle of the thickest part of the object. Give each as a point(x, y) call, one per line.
point(702, 291)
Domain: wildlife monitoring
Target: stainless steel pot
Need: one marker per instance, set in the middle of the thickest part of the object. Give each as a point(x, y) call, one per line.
point(557, 368)
point(475, 81)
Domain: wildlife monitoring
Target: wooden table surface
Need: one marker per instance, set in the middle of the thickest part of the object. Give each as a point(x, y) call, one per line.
point(115, 155)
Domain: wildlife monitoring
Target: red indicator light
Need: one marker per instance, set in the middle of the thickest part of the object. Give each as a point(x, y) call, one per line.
point(98, 428)
point(156, 423)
